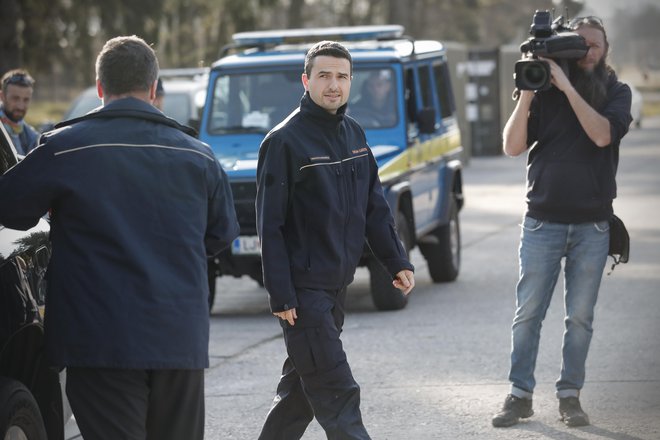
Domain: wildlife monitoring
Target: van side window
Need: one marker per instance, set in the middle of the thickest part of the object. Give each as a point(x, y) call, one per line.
point(411, 100)
point(425, 86)
point(441, 75)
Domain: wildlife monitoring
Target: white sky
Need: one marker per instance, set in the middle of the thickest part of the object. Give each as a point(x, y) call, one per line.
point(606, 8)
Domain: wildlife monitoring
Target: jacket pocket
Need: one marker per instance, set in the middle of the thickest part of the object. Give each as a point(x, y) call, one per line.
point(299, 347)
point(359, 180)
point(531, 224)
point(313, 343)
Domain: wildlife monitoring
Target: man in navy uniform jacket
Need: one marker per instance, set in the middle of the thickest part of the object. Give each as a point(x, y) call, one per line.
point(318, 199)
point(136, 205)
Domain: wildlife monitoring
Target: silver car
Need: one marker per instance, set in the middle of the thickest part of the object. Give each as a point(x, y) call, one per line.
point(185, 92)
point(33, 405)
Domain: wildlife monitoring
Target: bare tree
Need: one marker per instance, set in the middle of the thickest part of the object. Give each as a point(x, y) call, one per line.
point(49, 37)
point(10, 54)
point(295, 14)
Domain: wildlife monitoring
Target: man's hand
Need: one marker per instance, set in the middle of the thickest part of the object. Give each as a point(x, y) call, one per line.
point(287, 315)
point(404, 281)
point(558, 76)
point(593, 123)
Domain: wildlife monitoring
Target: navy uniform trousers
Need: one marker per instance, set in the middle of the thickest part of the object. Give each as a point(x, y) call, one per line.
point(316, 378)
point(114, 404)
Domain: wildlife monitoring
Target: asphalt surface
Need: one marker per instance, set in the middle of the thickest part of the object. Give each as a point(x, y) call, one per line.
point(438, 368)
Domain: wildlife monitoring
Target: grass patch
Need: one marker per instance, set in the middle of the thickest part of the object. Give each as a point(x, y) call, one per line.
point(46, 111)
point(650, 108)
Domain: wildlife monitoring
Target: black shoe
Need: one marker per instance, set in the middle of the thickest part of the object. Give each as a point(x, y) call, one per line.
point(514, 409)
point(571, 412)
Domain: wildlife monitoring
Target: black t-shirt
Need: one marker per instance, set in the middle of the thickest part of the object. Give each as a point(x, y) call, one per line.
point(569, 178)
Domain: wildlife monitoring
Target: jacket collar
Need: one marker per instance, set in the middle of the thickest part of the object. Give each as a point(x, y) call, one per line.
point(130, 108)
point(319, 114)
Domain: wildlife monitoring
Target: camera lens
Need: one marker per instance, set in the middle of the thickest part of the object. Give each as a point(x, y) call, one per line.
point(535, 74)
point(532, 75)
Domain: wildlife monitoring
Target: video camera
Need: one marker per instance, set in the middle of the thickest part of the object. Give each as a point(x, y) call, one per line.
point(550, 39)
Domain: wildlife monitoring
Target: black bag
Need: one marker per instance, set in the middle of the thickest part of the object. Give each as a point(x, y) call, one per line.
point(619, 242)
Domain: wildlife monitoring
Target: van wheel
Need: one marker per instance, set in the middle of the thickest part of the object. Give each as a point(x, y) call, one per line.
point(20, 417)
point(442, 249)
point(384, 294)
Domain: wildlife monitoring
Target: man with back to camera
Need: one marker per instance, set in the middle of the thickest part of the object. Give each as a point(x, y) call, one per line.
point(136, 206)
point(16, 95)
point(318, 197)
point(573, 131)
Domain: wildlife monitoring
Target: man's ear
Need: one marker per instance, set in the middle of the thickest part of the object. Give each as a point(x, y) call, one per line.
point(152, 91)
point(305, 81)
point(99, 90)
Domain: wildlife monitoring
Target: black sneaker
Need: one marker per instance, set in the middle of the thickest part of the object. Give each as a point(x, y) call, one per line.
point(514, 409)
point(571, 412)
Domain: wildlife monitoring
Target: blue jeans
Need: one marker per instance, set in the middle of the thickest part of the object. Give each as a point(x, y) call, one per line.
point(542, 247)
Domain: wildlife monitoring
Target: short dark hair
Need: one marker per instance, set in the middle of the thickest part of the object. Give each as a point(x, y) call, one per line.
point(326, 48)
point(126, 64)
point(17, 77)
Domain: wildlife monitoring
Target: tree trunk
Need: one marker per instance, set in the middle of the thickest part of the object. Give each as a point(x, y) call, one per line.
point(295, 16)
point(10, 55)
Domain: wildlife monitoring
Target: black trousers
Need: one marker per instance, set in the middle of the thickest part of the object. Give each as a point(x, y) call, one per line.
point(118, 404)
point(316, 378)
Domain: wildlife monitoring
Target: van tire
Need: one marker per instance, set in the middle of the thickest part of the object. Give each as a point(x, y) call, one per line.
point(442, 249)
point(384, 294)
point(19, 412)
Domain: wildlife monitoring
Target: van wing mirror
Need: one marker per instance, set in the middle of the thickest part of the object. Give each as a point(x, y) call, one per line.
point(426, 120)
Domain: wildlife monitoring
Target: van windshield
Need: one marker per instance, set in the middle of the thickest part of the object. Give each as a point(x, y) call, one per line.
point(256, 102)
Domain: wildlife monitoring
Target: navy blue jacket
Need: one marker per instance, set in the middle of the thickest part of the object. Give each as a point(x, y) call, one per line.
point(136, 206)
point(569, 178)
point(318, 198)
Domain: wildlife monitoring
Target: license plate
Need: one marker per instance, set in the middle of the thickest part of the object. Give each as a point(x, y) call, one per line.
point(246, 245)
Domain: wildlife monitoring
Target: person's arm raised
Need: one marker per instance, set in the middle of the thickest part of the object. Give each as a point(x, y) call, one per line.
point(514, 135)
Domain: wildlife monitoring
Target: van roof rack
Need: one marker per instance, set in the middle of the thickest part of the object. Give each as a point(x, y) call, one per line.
point(184, 72)
point(263, 39)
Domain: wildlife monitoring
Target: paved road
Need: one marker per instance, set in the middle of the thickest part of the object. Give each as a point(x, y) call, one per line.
point(437, 369)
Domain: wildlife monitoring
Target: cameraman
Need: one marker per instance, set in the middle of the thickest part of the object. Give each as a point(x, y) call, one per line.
point(573, 131)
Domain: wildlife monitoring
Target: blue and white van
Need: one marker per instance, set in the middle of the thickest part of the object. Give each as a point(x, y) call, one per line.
point(414, 136)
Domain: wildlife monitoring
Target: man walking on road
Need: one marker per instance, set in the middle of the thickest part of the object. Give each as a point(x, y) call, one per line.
point(573, 131)
point(318, 197)
point(137, 204)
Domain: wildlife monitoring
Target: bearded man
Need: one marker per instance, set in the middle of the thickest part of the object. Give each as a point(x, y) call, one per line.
point(572, 132)
point(16, 95)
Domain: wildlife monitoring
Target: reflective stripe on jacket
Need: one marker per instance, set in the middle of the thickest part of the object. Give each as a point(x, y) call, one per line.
point(136, 206)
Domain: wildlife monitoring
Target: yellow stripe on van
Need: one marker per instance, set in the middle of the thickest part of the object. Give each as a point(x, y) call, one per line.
point(418, 154)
